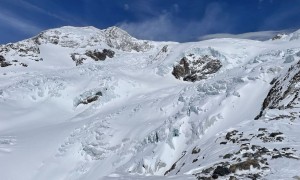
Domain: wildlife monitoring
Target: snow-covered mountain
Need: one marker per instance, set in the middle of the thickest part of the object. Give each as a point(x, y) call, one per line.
point(84, 103)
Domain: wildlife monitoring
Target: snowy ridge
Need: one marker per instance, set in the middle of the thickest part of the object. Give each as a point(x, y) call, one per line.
point(84, 103)
point(73, 37)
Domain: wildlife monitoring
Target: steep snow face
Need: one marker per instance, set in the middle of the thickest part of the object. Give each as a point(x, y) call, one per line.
point(295, 35)
point(84, 103)
point(119, 39)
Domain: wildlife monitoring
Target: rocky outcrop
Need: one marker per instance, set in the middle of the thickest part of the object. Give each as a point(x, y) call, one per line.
point(77, 58)
point(89, 99)
point(221, 171)
point(3, 62)
point(23, 49)
point(245, 165)
point(240, 164)
point(100, 56)
point(57, 37)
point(44, 37)
point(174, 165)
point(283, 88)
point(279, 36)
point(196, 150)
point(191, 69)
point(2, 59)
point(95, 55)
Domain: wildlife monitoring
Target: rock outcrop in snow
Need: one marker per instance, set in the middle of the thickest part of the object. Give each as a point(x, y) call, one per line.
point(3, 62)
point(193, 68)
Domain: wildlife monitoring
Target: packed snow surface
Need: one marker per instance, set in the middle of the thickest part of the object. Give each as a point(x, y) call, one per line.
point(64, 114)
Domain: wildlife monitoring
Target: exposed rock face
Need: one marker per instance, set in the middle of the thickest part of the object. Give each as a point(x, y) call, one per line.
point(174, 165)
point(2, 59)
point(23, 64)
point(100, 56)
point(196, 150)
point(43, 37)
point(68, 36)
point(283, 88)
point(246, 165)
point(221, 171)
point(3, 63)
point(22, 49)
point(278, 36)
point(89, 99)
point(77, 58)
point(95, 55)
point(195, 70)
point(182, 69)
point(249, 156)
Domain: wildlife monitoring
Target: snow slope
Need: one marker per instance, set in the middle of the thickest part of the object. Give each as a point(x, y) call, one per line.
point(84, 103)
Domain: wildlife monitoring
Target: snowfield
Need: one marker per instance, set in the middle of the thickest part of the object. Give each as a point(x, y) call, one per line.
point(90, 104)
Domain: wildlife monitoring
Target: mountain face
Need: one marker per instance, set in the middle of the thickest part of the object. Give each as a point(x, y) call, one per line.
point(84, 103)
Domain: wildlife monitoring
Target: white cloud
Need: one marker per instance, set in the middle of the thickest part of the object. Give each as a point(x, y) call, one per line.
point(166, 27)
point(261, 35)
point(33, 7)
point(153, 29)
point(18, 23)
point(59, 15)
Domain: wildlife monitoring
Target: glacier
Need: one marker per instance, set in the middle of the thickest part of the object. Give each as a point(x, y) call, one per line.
point(66, 114)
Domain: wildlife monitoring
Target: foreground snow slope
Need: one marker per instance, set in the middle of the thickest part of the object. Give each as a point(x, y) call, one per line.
point(83, 103)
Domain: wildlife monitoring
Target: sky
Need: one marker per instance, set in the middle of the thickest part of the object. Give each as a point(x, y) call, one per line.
point(162, 20)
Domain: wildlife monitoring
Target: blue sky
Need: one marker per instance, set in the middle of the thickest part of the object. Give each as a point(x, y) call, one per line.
point(172, 20)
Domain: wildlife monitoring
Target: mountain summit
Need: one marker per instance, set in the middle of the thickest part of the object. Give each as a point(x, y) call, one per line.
point(84, 103)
